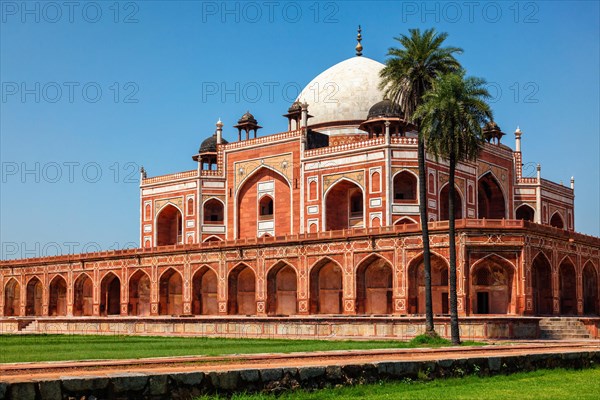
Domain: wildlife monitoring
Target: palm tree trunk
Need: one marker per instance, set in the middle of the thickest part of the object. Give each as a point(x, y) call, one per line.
point(455, 333)
point(429, 328)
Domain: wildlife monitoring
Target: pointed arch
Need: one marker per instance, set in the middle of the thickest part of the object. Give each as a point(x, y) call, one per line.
point(567, 281)
point(541, 284)
point(374, 285)
point(213, 238)
point(326, 287)
point(265, 207)
point(190, 206)
point(344, 205)
point(12, 298)
point(110, 294)
point(493, 285)
point(525, 212)
point(282, 284)
point(213, 211)
point(263, 181)
point(34, 297)
point(170, 300)
point(557, 220)
point(169, 225)
point(439, 284)
point(405, 220)
point(567, 259)
point(83, 292)
point(443, 203)
point(256, 170)
point(495, 256)
point(57, 304)
point(589, 275)
point(204, 291)
point(405, 185)
point(339, 180)
point(242, 290)
point(139, 293)
point(491, 199)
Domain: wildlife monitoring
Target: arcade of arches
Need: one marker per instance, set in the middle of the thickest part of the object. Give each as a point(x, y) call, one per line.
point(491, 203)
point(372, 287)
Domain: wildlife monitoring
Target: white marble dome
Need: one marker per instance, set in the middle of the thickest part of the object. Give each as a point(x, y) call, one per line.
point(344, 92)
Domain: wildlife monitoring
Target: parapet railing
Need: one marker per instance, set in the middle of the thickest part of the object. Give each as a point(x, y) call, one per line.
point(436, 226)
point(344, 147)
point(404, 140)
point(533, 181)
point(171, 177)
point(262, 139)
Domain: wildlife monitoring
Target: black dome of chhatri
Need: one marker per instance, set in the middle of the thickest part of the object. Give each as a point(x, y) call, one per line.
point(491, 126)
point(295, 107)
point(247, 117)
point(209, 145)
point(385, 108)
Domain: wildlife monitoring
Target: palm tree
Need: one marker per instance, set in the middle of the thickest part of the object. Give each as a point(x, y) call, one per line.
point(408, 74)
point(452, 117)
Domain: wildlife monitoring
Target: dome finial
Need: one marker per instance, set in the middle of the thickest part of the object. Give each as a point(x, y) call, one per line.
point(359, 47)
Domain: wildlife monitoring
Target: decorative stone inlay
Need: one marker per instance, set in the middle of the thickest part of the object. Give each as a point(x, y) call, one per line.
point(357, 176)
point(281, 164)
point(158, 204)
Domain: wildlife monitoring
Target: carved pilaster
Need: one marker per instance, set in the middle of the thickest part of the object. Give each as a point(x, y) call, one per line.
point(349, 297)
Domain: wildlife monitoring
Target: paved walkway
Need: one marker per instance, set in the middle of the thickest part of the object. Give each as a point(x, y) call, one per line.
point(22, 372)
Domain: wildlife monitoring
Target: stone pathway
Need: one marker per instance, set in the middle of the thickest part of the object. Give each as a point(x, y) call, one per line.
point(23, 372)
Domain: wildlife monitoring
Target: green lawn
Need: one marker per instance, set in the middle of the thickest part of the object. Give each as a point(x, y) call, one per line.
point(542, 384)
point(27, 348)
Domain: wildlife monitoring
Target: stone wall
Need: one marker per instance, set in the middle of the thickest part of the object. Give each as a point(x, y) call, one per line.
point(281, 328)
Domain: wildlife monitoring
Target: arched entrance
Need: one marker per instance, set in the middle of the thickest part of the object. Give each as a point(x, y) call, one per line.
point(139, 294)
point(443, 206)
point(12, 298)
point(492, 282)
point(83, 296)
point(281, 290)
point(490, 200)
point(264, 205)
point(525, 212)
point(590, 289)
point(171, 288)
point(405, 187)
point(568, 288)
point(541, 276)
point(35, 293)
point(110, 295)
point(439, 286)
point(213, 212)
point(326, 288)
point(374, 286)
point(344, 206)
point(204, 292)
point(57, 305)
point(169, 226)
point(557, 221)
point(242, 291)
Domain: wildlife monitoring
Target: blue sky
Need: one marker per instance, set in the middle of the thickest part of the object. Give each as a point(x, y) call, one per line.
point(93, 90)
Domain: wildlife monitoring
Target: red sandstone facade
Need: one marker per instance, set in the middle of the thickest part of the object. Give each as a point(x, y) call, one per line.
point(323, 219)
